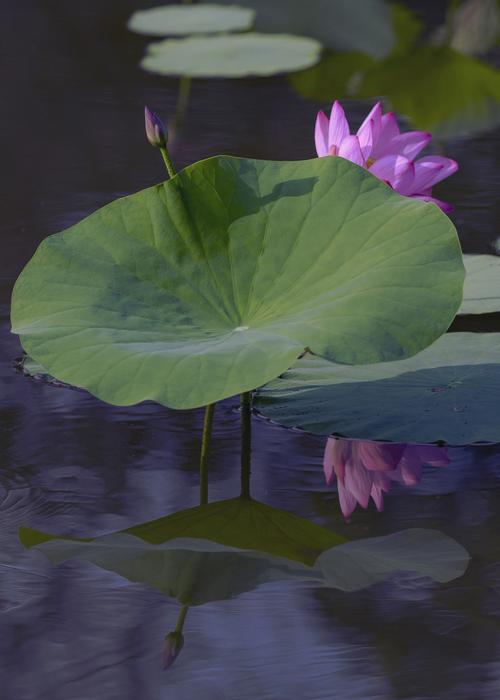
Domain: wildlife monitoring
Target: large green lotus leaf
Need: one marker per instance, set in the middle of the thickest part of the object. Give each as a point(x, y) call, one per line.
point(439, 90)
point(238, 522)
point(344, 25)
point(356, 565)
point(449, 392)
point(170, 20)
point(231, 55)
point(214, 282)
point(482, 284)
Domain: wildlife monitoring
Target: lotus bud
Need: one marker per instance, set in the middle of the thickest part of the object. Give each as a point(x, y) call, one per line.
point(174, 641)
point(155, 129)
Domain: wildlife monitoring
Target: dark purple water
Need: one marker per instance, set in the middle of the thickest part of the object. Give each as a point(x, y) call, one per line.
point(72, 140)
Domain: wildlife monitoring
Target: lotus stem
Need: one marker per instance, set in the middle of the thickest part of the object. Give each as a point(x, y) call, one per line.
point(246, 442)
point(205, 449)
point(168, 162)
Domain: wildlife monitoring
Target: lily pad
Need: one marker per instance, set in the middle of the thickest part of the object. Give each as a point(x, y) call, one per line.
point(482, 284)
point(231, 56)
point(214, 282)
point(344, 25)
point(172, 20)
point(238, 522)
point(448, 392)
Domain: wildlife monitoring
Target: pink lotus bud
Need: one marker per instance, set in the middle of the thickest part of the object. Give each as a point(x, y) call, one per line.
point(174, 641)
point(155, 129)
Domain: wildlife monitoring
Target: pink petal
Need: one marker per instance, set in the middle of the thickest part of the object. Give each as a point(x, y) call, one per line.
point(388, 130)
point(339, 128)
point(358, 481)
point(328, 460)
point(347, 501)
point(398, 171)
point(408, 144)
point(425, 174)
point(321, 134)
point(351, 150)
point(369, 131)
point(409, 471)
point(448, 167)
point(378, 497)
point(444, 206)
point(380, 456)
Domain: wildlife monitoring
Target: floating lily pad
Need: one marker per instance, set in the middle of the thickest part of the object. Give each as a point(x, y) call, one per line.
point(241, 523)
point(231, 56)
point(170, 20)
point(214, 282)
point(344, 25)
point(448, 392)
point(482, 284)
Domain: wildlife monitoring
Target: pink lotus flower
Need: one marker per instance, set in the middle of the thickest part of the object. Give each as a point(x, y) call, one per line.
point(379, 147)
point(364, 468)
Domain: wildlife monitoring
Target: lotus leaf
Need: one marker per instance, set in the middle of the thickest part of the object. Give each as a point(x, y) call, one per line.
point(214, 282)
point(170, 20)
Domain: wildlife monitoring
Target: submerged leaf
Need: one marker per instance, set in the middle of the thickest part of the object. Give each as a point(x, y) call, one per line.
point(448, 392)
point(170, 20)
point(214, 282)
point(231, 56)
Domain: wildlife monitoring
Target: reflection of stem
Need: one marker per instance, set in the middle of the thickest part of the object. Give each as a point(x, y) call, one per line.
point(168, 163)
point(181, 619)
point(246, 442)
point(182, 101)
point(205, 448)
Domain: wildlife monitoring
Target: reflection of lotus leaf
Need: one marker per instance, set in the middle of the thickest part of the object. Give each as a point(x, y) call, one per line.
point(241, 523)
point(215, 281)
point(482, 284)
point(199, 571)
point(231, 56)
point(448, 392)
point(191, 19)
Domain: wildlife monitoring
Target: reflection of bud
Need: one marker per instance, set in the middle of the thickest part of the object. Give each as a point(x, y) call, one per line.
point(174, 641)
point(155, 129)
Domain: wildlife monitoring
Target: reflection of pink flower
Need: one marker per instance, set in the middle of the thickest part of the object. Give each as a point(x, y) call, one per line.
point(364, 468)
point(379, 147)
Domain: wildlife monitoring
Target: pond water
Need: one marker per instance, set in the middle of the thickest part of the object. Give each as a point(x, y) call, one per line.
point(72, 134)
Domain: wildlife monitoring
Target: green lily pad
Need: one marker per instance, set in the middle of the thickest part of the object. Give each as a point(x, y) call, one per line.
point(448, 392)
point(214, 282)
point(344, 25)
point(172, 20)
point(482, 284)
point(231, 56)
point(238, 522)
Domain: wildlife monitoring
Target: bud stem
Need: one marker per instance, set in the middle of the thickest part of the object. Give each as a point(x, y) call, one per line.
point(205, 448)
point(246, 442)
point(181, 619)
point(168, 163)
